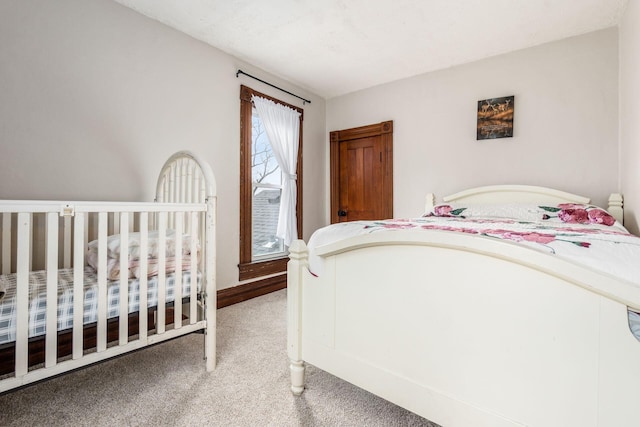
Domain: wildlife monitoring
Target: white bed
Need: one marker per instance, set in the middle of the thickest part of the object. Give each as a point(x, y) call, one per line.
point(466, 329)
point(54, 251)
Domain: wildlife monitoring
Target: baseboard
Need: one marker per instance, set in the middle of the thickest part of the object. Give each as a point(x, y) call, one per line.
point(247, 291)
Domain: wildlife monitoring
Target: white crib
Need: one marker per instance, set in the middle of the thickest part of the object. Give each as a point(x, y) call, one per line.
point(49, 240)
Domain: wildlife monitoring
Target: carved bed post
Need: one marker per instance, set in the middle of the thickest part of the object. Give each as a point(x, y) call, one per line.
point(295, 269)
point(616, 207)
point(429, 202)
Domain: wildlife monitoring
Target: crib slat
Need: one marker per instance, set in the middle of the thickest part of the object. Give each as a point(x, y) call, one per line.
point(79, 238)
point(6, 243)
point(193, 312)
point(173, 189)
point(177, 287)
point(162, 282)
point(124, 277)
point(23, 259)
point(189, 190)
point(85, 243)
point(172, 185)
point(178, 181)
point(33, 248)
point(170, 180)
point(52, 289)
point(102, 282)
point(197, 189)
point(183, 181)
point(66, 257)
point(116, 224)
point(166, 189)
point(144, 245)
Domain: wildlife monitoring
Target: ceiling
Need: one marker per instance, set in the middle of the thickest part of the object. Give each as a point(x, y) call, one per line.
point(333, 47)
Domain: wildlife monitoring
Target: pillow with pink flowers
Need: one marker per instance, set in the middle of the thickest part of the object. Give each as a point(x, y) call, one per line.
point(574, 213)
point(515, 211)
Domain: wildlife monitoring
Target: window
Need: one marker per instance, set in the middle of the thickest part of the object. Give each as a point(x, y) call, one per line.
point(266, 182)
point(261, 252)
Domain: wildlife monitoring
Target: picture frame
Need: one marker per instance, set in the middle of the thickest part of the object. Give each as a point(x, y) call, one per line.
point(495, 118)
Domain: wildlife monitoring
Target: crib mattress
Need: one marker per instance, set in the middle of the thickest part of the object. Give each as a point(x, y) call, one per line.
point(38, 299)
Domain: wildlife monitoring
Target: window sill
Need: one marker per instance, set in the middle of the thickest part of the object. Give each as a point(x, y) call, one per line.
point(251, 270)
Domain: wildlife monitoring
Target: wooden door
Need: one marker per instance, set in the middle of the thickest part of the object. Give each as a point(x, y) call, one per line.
point(362, 173)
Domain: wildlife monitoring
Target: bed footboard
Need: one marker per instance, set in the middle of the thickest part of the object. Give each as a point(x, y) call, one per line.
point(466, 333)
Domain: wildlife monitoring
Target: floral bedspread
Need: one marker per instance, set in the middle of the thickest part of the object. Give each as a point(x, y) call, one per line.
point(581, 233)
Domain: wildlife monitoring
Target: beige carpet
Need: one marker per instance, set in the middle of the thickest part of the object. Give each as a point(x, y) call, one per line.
point(166, 385)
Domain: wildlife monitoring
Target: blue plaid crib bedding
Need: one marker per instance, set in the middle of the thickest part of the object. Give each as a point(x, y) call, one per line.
point(38, 299)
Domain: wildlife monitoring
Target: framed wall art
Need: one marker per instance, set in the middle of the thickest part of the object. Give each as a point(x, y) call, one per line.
point(495, 118)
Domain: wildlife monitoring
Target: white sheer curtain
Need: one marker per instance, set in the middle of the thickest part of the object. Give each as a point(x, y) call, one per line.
point(282, 125)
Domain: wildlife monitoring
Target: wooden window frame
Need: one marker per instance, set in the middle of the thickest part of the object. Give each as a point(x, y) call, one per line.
point(249, 269)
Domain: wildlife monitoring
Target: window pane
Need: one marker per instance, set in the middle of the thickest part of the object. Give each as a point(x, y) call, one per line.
point(266, 205)
point(264, 166)
point(267, 188)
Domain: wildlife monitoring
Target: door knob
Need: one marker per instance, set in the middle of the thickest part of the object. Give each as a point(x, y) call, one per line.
point(342, 213)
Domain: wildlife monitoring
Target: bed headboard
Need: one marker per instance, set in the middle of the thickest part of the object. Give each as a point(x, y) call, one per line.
point(185, 178)
point(495, 194)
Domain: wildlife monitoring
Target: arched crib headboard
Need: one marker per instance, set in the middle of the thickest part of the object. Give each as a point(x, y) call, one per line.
point(185, 178)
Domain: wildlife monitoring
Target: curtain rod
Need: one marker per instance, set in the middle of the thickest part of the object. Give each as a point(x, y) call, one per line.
point(274, 86)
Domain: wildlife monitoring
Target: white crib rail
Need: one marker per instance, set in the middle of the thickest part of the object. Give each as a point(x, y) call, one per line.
point(66, 226)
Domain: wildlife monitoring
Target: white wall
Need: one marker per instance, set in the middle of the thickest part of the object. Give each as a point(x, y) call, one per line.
point(94, 97)
point(565, 124)
point(630, 114)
